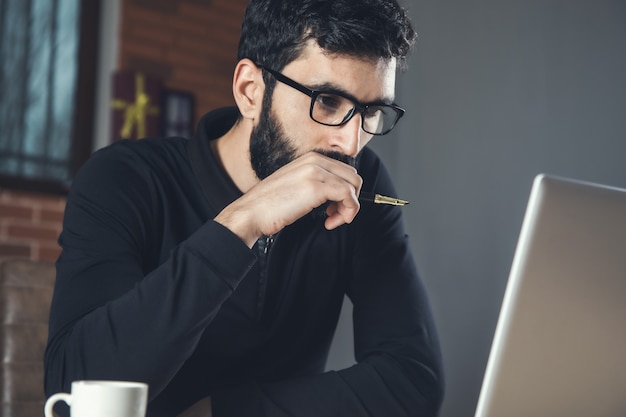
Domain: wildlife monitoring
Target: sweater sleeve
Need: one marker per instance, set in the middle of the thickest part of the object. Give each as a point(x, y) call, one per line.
point(399, 368)
point(114, 316)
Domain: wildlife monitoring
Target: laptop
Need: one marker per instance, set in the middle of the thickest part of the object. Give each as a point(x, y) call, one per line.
point(559, 348)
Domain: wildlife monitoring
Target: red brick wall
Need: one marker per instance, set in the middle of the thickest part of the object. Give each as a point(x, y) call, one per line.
point(29, 225)
point(191, 45)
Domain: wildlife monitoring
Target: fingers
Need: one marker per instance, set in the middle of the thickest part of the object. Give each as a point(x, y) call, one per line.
point(313, 168)
point(332, 180)
point(339, 214)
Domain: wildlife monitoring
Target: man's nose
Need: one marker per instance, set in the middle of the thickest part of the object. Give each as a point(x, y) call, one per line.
point(348, 137)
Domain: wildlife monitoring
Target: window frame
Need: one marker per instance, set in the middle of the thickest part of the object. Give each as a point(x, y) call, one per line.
point(82, 137)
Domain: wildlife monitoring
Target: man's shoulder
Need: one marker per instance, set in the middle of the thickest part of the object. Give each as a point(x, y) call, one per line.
point(127, 162)
point(142, 152)
point(156, 145)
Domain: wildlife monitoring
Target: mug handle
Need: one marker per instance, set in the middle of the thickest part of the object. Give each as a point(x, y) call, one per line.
point(61, 396)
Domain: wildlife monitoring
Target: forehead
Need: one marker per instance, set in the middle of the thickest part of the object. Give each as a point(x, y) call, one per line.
point(365, 79)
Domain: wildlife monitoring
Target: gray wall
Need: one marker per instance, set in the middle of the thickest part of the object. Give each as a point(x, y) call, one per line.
point(497, 92)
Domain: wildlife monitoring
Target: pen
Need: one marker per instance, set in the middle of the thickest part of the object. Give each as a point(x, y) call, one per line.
point(381, 199)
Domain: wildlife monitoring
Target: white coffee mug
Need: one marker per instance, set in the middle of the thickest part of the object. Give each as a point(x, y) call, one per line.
point(103, 399)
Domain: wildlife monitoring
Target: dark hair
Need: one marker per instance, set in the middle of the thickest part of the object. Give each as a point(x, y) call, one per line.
point(274, 32)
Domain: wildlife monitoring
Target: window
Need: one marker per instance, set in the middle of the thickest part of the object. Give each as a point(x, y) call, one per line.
point(47, 87)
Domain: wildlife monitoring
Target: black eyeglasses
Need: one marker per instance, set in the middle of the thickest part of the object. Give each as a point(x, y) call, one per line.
point(336, 109)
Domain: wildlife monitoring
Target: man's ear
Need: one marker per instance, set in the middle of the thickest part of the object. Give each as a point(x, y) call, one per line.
point(248, 88)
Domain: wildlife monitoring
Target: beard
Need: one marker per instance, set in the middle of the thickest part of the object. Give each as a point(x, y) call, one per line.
point(271, 149)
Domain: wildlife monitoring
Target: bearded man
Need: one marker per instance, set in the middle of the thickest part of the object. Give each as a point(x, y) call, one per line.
point(214, 268)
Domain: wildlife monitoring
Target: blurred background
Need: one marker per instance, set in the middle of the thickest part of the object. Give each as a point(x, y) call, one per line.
point(497, 92)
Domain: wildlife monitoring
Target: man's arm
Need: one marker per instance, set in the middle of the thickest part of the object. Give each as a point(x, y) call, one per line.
point(399, 370)
point(113, 315)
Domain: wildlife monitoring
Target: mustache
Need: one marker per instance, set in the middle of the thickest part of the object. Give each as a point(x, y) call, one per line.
point(346, 159)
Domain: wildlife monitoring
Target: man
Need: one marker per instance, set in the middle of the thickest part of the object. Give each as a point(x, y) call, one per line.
point(216, 267)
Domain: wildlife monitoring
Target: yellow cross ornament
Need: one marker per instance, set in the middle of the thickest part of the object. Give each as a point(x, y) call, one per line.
point(135, 113)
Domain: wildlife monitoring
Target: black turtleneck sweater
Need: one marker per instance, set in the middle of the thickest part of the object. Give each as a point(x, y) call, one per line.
point(149, 288)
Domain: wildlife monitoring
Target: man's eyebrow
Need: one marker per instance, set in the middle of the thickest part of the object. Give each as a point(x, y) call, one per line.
point(335, 89)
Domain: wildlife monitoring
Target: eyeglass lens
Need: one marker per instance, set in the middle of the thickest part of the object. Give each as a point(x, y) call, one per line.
point(334, 110)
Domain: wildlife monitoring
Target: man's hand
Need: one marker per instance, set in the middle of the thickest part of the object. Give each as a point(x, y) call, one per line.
point(290, 193)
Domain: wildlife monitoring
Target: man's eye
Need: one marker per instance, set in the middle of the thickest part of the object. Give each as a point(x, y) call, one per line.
point(329, 102)
point(374, 111)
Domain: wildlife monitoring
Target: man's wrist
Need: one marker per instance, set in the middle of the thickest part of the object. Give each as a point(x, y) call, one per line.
point(237, 222)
